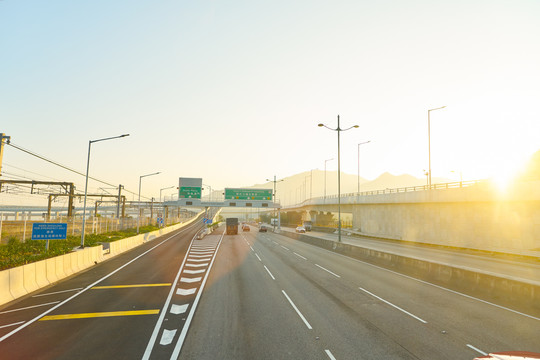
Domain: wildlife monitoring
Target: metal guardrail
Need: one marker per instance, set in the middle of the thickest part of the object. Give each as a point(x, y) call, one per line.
point(441, 186)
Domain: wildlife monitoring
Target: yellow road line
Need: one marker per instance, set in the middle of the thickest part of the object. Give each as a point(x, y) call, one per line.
point(129, 286)
point(101, 314)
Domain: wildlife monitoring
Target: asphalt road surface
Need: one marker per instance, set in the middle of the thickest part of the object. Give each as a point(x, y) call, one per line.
point(253, 296)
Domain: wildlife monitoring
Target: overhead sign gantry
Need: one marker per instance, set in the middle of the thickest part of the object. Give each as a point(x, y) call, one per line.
point(248, 194)
point(190, 194)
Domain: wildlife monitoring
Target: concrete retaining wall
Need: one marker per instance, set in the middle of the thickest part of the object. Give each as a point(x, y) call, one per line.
point(476, 217)
point(22, 280)
point(514, 291)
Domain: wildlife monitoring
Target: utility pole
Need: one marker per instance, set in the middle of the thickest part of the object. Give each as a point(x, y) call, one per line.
point(120, 187)
point(8, 139)
point(70, 200)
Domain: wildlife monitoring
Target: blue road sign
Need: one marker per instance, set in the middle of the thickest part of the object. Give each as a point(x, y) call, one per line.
point(49, 231)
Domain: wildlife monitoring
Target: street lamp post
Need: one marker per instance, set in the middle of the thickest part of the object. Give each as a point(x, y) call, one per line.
point(429, 143)
point(86, 182)
point(325, 161)
point(274, 198)
point(338, 130)
point(362, 143)
point(210, 192)
point(139, 202)
point(160, 190)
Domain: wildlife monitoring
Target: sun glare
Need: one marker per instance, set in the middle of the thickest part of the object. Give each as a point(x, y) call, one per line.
point(506, 176)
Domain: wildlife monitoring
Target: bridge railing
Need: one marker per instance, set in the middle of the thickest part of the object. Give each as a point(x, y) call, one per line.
point(441, 186)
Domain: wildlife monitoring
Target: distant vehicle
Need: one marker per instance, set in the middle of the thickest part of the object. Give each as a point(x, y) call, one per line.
point(307, 225)
point(511, 355)
point(300, 229)
point(245, 227)
point(232, 226)
point(263, 229)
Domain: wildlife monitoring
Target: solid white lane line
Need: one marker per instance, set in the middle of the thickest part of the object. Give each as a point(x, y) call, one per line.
point(178, 309)
point(272, 276)
point(284, 247)
point(397, 307)
point(167, 337)
point(90, 286)
point(258, 257)
point(8, 325)
point(185, 328)
point(297, 311)
point(437, 286)
point(187, 271)
point(58, 292)
point(29, 307)
point(336, 275)
point(185, 292)
point(329, 354)
point(477, 350)
point(300, 256)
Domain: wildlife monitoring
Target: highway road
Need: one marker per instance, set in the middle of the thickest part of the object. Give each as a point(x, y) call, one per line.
point(508, 265)
point(253, 296)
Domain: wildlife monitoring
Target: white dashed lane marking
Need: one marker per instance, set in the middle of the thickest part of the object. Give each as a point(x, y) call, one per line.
point(185, 292)
point(178, 309)
point(187, 271)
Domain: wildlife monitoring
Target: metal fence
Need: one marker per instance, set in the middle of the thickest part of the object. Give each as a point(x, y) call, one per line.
point(452, 185)
point(22, 229)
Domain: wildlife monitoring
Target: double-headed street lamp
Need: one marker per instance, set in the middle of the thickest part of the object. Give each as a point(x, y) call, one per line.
point(86, 182)
point(338, 130)
point(274, 198)
point(139, 202)
point(429, 143)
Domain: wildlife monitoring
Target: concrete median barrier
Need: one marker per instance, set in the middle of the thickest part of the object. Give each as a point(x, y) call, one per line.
point(22, 280)
point(5, 293)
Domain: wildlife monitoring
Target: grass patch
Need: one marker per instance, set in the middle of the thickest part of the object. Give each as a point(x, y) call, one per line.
point(16, 253)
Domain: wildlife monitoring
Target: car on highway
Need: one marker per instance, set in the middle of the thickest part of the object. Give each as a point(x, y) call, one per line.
point(245, 227)
point(263, 229)
point(300, 229)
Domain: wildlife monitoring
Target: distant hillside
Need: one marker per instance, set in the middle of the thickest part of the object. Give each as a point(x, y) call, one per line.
point(532, 170)
point(299, 187)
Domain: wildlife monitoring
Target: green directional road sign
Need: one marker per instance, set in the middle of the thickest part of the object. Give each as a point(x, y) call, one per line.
point(248, 194)
point(190, 192)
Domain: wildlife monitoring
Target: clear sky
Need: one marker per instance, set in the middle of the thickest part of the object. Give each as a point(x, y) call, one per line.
point(232, 91)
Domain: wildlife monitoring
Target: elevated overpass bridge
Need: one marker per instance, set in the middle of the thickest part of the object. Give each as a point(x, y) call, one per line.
point(471, 214)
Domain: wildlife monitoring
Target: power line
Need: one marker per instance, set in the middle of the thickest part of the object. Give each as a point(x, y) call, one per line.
point(31, 172)
point(66, 167)
point(55, 163)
